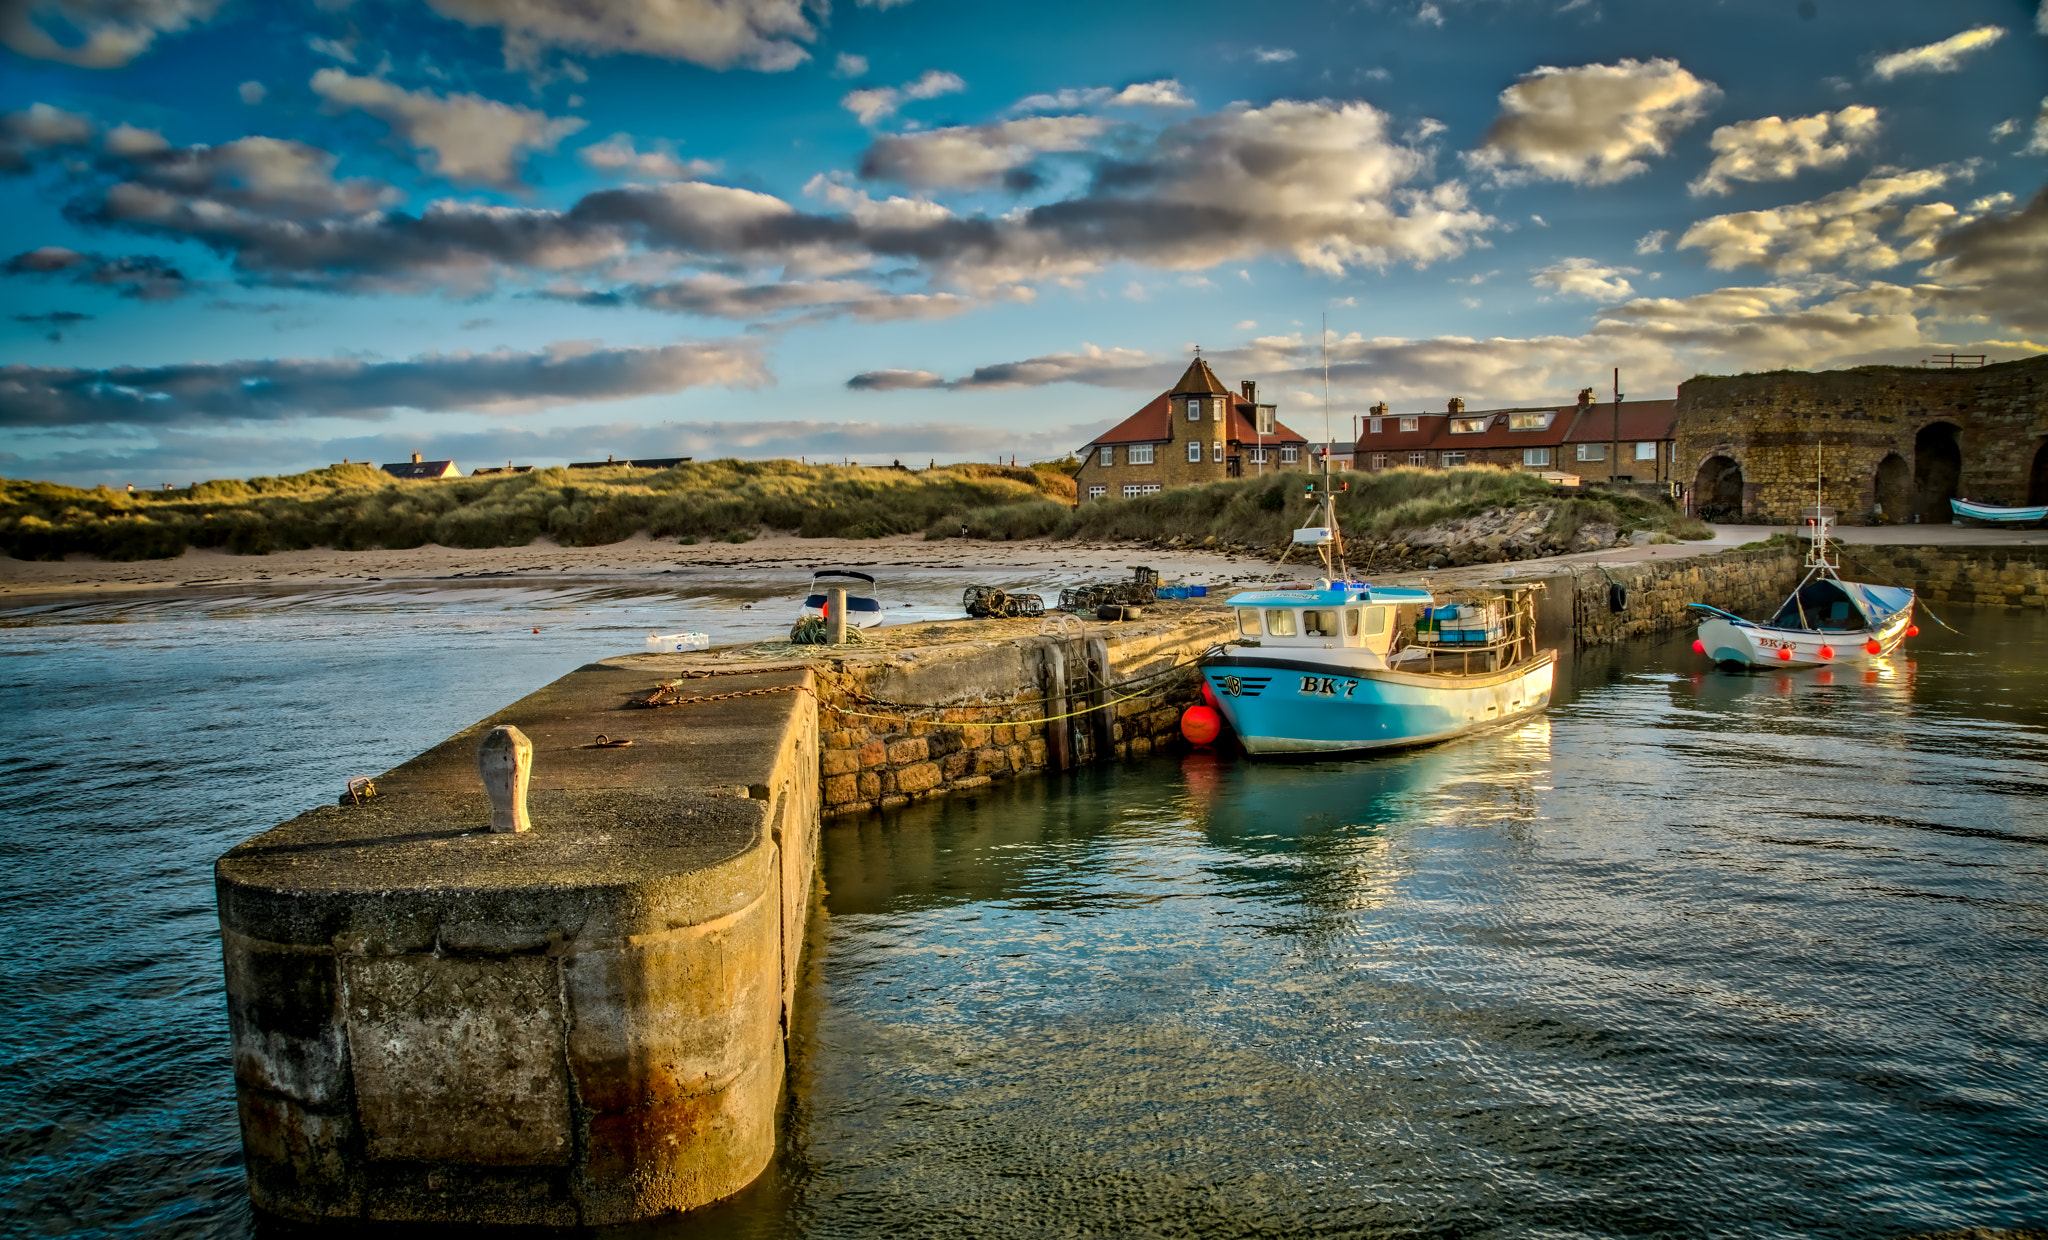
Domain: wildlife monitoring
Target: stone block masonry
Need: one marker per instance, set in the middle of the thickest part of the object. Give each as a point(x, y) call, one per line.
point(574, 1025)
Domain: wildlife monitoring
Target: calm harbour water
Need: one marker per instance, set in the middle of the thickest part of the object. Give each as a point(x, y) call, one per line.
point(1691, 955)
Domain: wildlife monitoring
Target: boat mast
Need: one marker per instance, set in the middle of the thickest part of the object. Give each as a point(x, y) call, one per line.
point(1333, 555)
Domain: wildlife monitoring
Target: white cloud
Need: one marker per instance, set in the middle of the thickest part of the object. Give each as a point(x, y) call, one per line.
point(39, 131)
point(849, 65)
point(1839, 229)
point(1652, 242)
point(130, 142)
point(333, 49)
point(1943, 57)
point(2038, 144)
point(113, 32)
point(1590, 124)
point(461, 137)
point(289, 389)
point(757, 34)
point(1164, 93)
point(1272, 55)
point(878, 103)
point(974, 156)
point(617, 154)
point(1585, 277)
point(252, 92)
point(1774, 149)
point(1429, 15)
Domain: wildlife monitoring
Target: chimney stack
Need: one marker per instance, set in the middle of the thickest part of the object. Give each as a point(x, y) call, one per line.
point(1457, 406)
point(1585, 398)
point(415, 458)
point(1379, 410)
point(1251, 391)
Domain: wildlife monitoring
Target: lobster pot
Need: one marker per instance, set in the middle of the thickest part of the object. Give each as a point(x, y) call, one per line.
point(1462, 624)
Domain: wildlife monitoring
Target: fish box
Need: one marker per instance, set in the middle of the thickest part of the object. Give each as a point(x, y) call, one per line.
point(669, 643)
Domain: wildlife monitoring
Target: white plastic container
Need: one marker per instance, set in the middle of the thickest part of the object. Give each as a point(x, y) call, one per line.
point(669, 643)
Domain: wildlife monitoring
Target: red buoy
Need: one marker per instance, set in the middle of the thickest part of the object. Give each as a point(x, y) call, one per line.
point(1209, 696)
point(1873, 647)
point(1912, 630)
point(1827, 652)
point(1201, 725)
point(1785, 654)
point(1698, 646)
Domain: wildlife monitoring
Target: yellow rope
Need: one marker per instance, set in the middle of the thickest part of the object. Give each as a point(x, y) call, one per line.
point(998, 723)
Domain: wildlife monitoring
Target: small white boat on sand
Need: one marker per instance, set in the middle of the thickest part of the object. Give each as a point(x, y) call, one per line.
point(1993, 514)
point(863, 611)
point(1824, 622)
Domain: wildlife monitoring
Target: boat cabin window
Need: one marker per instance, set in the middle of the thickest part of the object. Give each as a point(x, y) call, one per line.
point(1248, 621)
point(1318, 623)
point(1280, 622)
point(1350, 622)
point(1376, 620)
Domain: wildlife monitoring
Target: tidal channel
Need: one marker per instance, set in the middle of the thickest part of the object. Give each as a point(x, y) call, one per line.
point(1691, 955)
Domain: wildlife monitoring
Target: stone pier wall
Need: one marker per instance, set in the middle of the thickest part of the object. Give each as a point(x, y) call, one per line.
point(993, 708)
point(1987, 576)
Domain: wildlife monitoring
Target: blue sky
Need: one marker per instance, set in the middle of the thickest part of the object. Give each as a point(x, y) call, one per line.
point(260, 237)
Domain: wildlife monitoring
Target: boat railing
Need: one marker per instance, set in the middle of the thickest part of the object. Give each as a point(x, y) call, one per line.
point(1515, 645)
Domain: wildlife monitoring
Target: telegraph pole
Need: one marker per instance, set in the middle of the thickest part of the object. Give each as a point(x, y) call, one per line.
point(1614, 461)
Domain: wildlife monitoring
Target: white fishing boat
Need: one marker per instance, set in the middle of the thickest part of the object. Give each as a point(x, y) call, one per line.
point(1826, 621)
point(863, 610)
point(1993, 514)
point(1346, 666)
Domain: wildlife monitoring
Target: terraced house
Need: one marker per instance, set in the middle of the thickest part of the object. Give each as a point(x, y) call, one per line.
point(1200, 431)
point(1580, 439)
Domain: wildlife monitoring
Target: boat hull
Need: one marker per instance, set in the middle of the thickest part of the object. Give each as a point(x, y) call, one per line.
point(1759, 645)
point(1284, 706)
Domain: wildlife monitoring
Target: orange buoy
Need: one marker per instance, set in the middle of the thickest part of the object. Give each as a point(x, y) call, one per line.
point(1698, 646)
point(1873, 647)
point(1785, 654)
point(1912, 630)
point(1201, 725)
point(1827, 652)
point(536, 629)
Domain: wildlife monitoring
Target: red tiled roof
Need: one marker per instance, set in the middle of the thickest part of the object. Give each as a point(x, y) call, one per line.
point(1149, 425)
point(1641, 420)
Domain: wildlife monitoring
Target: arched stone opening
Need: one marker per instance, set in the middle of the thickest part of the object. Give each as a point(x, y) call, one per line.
point(2037, 481)
point(1717, 489)
point(1893, 489)
point(1937, 464)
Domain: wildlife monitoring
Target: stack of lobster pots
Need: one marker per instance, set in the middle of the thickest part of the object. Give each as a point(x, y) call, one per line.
point(1462, 624)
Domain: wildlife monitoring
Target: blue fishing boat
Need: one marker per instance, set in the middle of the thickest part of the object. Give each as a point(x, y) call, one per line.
point(1346, 666)
point(863, 609)
point(1998, 515)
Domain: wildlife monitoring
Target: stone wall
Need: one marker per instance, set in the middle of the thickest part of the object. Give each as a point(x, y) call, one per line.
point(994, 707)
point(1989, 576)
point(1895, 438)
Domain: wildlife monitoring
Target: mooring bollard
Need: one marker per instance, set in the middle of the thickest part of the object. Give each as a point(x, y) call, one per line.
point(835, 615)
point(505, 760)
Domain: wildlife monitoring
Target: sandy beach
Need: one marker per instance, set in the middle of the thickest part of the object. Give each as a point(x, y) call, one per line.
point(635, 558)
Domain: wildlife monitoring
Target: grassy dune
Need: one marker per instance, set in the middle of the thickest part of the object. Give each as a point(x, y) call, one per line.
point(355, 507)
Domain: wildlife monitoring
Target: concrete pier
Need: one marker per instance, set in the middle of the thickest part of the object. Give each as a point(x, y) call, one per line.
point(577, 1024)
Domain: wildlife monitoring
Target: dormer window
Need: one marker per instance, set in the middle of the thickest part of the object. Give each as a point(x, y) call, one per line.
point(1467, 426)
point(1374, 426)
point(1528, 421)
point(1411, 424)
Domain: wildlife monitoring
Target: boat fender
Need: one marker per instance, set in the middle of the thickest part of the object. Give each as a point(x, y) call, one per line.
point(1912, 630)
point(1874, 646)
point(1827, 652)
point(1617, 596)
point(1200, 725)
point(1784, 654)
point(1698, 646)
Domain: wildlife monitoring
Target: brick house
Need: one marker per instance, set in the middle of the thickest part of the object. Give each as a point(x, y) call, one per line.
point(1198, 432)
point(1574, 439)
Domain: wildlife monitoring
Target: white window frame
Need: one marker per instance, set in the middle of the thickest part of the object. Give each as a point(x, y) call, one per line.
point(1379, 460)
point(1134, 489)
point(1374, 426)
point(1592, 452)
point(1528, 421)
point(1467, 426)
point(1194, 451)
point(1097, 492)
point(1216, 450)
point(1138, 454)
point(1289, 454)
point(1411, 424)
point(1536, 458)
point(1646, 450)
point(1451, 460)
point(1106, 456)
point(1194, 410)
point(1418, 460)
point(1259, 456)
